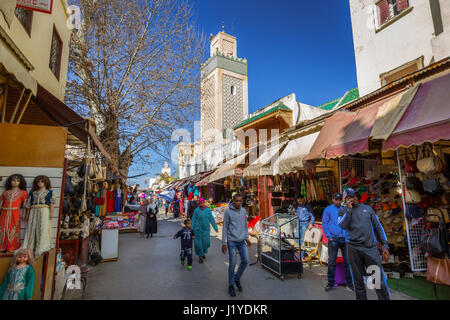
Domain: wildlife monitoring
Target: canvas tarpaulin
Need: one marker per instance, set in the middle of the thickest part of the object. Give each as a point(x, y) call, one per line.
point(355, 136)
point(390, 113)
point(268, 156)
point(427, 118)
point(293, 155)
point(333, 129)
point(227, 168)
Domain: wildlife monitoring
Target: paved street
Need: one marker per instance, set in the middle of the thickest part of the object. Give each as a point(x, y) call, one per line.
point(150, 269)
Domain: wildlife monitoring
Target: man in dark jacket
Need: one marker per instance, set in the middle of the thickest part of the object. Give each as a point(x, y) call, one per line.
point(362, 224)
point(337, 239)
point(193, 204)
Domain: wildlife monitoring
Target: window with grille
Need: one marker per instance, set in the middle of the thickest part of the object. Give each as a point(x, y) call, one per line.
point(388, 9)
point(55, 54)
point(25, 18)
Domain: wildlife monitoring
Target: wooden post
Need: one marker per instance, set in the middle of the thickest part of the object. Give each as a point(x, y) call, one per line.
point(58, 232)
point(17, 106)
point(24, 107)
point(4, 102)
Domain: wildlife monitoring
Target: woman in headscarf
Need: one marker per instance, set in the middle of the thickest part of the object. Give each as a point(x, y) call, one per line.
point(151, 225)
point(201, 219)
point(142, 217)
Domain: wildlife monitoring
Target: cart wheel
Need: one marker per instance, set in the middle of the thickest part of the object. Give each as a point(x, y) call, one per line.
point(299, 276)
point(282, 278)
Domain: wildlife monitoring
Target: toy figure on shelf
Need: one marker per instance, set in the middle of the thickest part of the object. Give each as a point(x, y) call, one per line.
point(40, 205)
point(19, 280)
point(10, 203)
point(118, 198)
point(110, 199)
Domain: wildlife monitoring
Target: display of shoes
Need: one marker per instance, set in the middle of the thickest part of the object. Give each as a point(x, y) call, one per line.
point(387, 213)
point(346, 174)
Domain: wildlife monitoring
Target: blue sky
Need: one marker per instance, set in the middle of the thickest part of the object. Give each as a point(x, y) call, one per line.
point(292, 46)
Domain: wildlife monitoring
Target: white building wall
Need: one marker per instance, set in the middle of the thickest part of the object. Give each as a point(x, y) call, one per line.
point(406, 39)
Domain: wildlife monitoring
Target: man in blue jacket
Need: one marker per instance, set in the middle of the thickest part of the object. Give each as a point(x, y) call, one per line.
point(364, 228)
point(337, 239)
point(306, 219)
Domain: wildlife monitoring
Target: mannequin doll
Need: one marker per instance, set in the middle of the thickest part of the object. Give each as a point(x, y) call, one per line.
point(19, 280)
point(41, 204)
point(10, 203)
point(110, 199)
point(118, 198)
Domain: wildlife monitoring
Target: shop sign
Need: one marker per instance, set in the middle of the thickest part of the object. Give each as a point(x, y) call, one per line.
point(238, 172)
point(36, 5)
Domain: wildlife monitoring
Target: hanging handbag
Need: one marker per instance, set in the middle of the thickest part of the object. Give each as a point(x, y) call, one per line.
point(438, 270)
point(410, 165)
point(432, 185)
point(68, 187)
point(412, 196)
point(433, 213)
point(413, 183)
point(434, 239)
point(82, 170)
point(413, 211)
point(431, 164)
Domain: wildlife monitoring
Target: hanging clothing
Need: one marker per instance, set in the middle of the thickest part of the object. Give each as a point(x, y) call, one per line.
point(201, 220)
point(151, 225)
point(103, 206)
point(18, 284)
point(109, 201)
point(97, 206)
point(10, 219)
point(37, 236)
point(118, 200)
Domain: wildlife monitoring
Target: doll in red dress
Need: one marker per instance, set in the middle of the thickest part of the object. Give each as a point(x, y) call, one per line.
point(10, 204)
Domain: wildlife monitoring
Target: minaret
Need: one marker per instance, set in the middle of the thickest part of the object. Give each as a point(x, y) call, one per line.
point(224, 87)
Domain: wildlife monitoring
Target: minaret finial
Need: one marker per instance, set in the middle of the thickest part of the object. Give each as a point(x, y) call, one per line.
point(223, 26)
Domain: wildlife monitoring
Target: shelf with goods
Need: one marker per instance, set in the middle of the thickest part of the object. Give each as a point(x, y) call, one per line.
point(126, 221)
point(377, 179)
point(316, 186)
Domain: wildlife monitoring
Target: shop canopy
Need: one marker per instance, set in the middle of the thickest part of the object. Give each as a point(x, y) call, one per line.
point(355, 136)
point(176, 184)
point(267, 157)
point(333, 128)
point(204, 179)
point(427, 118)
point(227, 168)
point(292, 157)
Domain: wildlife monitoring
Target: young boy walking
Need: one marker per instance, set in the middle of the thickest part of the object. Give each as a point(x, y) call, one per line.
point(187, 235)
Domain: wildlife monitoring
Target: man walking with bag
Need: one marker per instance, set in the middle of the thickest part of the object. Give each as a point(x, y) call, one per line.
point(362, 224)
point(235, 238)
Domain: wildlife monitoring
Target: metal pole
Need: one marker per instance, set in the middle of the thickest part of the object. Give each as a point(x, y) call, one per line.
point(17, 106)
point(404, 210)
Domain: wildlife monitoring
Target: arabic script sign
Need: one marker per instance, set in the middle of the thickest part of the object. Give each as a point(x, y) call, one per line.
point(36, 5)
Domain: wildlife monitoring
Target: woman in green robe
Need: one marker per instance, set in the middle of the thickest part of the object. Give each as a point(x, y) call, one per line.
point(201, 219)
